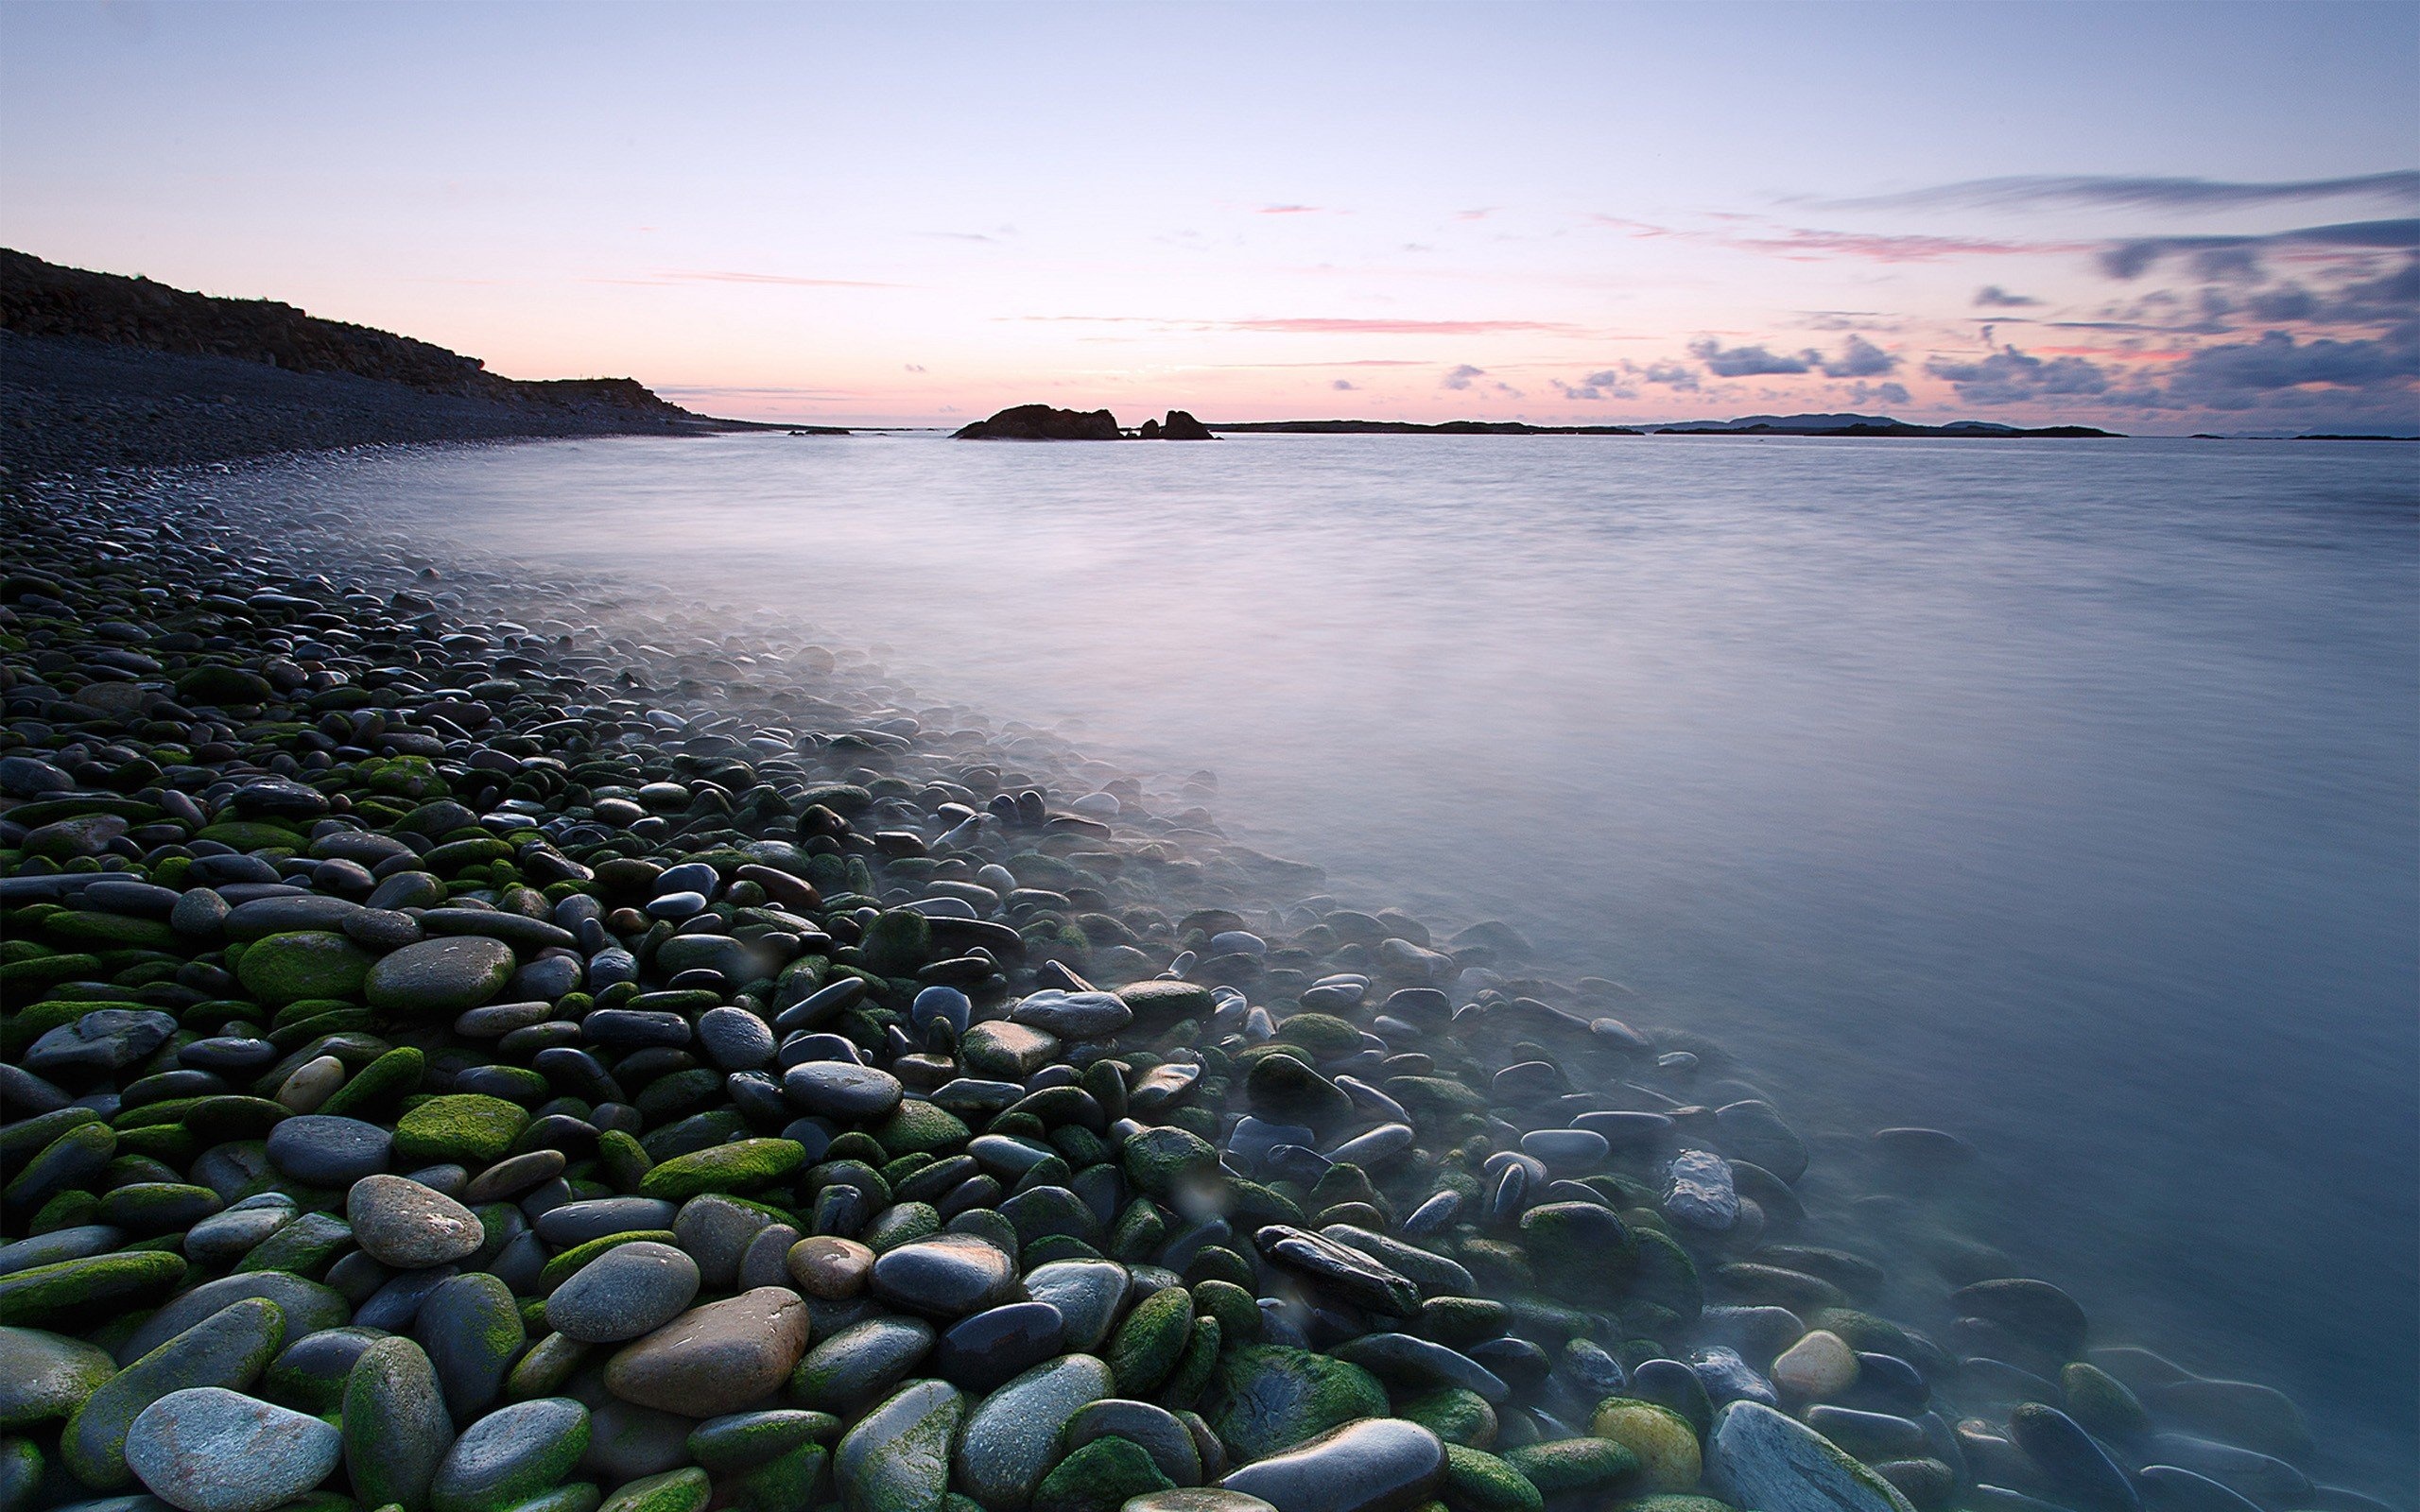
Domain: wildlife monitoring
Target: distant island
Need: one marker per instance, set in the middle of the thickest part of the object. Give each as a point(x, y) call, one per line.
point(1041, 422)
point(1851, 425)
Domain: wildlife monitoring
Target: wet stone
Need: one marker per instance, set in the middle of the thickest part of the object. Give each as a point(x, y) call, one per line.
point(1379, 1464)
point(211, 1449)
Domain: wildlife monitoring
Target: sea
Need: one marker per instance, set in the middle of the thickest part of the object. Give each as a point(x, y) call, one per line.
point(2060, 794)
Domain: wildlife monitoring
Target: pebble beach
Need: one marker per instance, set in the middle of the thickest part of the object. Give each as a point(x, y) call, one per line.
point(480, 1039)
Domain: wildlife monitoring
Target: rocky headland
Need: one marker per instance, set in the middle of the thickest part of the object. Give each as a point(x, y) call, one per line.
point(96, 367)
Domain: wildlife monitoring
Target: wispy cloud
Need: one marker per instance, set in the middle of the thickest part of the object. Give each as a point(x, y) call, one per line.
point(1803, 245)
point(1340, 325)
point(2219, 256)
point(1807, 244)
point(1321, 325)
point(2114, 191)
point(1289, 210)
point(1992, 297)
point(700, 275)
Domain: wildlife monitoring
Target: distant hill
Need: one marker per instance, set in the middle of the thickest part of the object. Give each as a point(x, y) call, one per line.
point(1405, 427)
point(1745, 426)
point(1867, 425)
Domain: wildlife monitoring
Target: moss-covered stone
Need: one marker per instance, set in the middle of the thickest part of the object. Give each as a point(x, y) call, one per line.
point(916, 1127)
point(681, 1490)
point(1477, 1481)
point(1269, 1397)
point(1099, 1477)
point(1659, 1438)
point(2103, 1403)
point(1148, 1344)
point(1160, 1002)
point(46, 1376)
point(741, 1166)
point(73, 1289)
point(1454, 1414)
point(302, 964)
point(471, 1129)
point(1165, 1161)
point(1563, 1464)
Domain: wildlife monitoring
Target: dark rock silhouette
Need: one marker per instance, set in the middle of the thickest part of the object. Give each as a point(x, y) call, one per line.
point(1040, 422)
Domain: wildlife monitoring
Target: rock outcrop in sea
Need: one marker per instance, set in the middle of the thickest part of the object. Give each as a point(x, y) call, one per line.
point(1040, 422)
point(460, 1059)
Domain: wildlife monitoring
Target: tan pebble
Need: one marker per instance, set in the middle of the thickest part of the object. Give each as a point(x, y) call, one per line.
point(834, 1269)
point(313, 1083)
point(1817, 1368)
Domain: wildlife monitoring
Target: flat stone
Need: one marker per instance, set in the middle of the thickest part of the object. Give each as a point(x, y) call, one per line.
point(210, 1450)
point(401, 1224)
point(440, 976)
point(837, 1090)
point(1758, 1457)
point(1073, 1015)
point(629, 1290)
point(1376, 1465)
point(715, 1359)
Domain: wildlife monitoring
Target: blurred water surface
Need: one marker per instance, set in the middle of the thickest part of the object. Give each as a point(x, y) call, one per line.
point(2059, 793)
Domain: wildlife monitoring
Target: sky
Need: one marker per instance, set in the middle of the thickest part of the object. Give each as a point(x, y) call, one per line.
point(2156, 218)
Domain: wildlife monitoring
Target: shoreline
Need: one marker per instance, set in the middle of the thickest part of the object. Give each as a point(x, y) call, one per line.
point(1151, 852)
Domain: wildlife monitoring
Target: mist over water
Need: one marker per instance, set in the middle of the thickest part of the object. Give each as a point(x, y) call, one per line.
point(2061, 795)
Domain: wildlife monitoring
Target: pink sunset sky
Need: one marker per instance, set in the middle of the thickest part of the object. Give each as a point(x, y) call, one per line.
point(2154, 218)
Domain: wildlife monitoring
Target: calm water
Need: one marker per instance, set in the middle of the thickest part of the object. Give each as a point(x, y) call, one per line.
point(2060, 794)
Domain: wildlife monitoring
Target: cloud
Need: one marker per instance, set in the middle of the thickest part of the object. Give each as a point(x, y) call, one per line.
point(1864, 394)
point(1675, 375)
point(1460, 377)
point(1289, 210)
point(1860, 358)
point(2237, 256)
point(1992, 297)
point(1604, 383)
point(1805, 246)
point(1343, 386)
point(2120, 192)
point(2008, 376)
point(2239, 375)
point(1334, 325)
point(915, 366)
point(1746, 362)
point(1474, 214)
